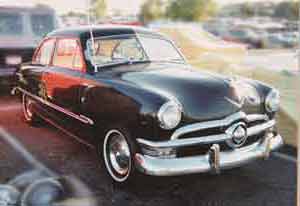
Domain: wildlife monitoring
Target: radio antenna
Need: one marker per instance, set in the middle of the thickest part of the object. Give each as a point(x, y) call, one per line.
point(89, 8)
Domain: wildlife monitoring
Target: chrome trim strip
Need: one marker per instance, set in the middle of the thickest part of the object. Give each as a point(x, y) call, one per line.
point(184, 142)
point(80, 117)
point(257, 117)
point(30, 67)
point(173, 143)
point(217, 123)
point(260, 128)
point(196, 164)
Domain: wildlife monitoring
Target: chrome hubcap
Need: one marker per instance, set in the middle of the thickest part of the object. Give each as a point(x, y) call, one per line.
point(117, 155)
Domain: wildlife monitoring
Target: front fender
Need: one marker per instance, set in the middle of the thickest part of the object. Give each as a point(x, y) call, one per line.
point(123, 104)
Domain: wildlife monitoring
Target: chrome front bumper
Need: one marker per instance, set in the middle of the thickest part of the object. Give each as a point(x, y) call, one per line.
point(213, 161)
point(159, 157)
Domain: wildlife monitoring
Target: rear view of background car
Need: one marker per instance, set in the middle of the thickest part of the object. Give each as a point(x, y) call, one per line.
point(21, 29)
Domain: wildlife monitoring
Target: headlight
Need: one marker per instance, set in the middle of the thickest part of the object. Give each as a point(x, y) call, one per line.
point(169, 115)
point(272, 102)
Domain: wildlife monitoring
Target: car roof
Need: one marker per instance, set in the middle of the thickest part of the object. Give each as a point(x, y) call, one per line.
point(83, 32)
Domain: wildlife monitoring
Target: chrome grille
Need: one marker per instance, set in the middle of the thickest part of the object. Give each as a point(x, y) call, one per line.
point(176, 140)
point(222, 123)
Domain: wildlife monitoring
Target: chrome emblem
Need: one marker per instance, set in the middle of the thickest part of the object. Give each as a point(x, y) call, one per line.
point(238, 134)
point(238, 105)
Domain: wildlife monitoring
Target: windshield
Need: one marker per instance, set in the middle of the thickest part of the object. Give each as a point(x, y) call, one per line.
point(42, 24)
point(130, 48)
point(10, 24)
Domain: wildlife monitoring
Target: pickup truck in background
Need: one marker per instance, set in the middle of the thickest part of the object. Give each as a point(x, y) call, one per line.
point(21, 29)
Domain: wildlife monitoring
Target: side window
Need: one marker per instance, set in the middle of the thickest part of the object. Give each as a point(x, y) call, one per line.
point(44, 54)
point(68, 54)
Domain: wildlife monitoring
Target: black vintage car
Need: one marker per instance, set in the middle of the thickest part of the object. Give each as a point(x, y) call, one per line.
point(129, 93)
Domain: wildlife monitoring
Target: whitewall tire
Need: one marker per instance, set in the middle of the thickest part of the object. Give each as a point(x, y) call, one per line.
point(28, 113)
point(117, 155)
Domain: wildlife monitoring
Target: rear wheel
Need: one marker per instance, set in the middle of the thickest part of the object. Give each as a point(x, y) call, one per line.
point(28, 113)
point(118, 151)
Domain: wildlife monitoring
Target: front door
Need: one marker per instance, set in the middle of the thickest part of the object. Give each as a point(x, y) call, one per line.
point(64, 75)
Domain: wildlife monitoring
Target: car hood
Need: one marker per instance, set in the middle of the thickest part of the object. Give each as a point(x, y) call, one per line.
point(203, 96)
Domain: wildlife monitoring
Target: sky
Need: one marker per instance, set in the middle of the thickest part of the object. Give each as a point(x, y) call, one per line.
point(127, 6)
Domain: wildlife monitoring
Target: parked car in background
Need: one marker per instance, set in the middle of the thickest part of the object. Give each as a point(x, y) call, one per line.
point(246, 36)
point(274, 41)
point(129, 93)
point(291, 38)
point(21, 29)
point(282, 40)
point(128, 20)
point(216, 28)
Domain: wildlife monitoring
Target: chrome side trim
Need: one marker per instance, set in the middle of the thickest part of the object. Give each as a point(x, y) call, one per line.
point(80, 117)
point(205, 163)
point(217, 123)
point(31, 67)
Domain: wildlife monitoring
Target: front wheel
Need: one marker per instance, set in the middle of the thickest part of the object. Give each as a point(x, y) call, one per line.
point(118, 151)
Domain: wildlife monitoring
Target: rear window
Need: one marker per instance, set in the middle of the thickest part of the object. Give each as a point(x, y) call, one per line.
point(42, 24)
point(10, 24)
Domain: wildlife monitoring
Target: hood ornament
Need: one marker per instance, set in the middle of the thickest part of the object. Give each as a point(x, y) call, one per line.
point(237, 104)
point(244, 92)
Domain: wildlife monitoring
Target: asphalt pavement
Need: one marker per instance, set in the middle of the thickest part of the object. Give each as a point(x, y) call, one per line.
point(266, 183)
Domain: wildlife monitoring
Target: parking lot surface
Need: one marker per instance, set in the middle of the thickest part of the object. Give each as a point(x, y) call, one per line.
point(271, 182)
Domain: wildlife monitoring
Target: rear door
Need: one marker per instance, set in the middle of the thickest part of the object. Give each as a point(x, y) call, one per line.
point(33, 74)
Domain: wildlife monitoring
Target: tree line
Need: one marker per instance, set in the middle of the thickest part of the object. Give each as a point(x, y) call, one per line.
point(287, 9)
point(198, 10)
point(185, 10)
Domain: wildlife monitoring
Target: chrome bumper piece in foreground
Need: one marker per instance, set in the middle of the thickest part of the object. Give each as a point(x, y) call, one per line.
point(213, 161)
